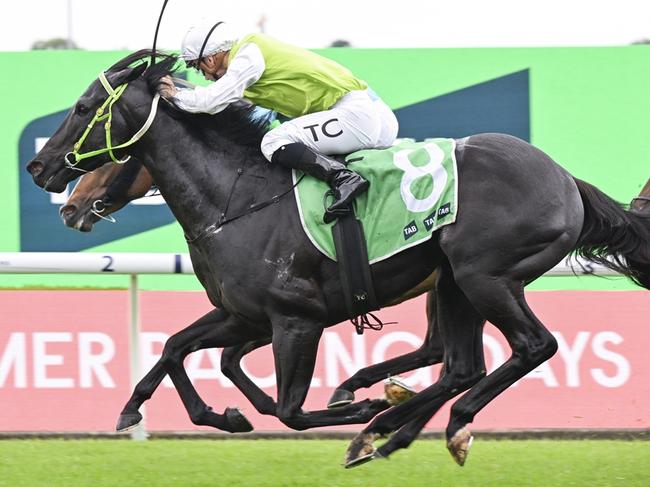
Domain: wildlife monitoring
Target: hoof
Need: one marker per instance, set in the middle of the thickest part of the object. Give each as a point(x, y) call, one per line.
point(459, 445)
point(128, 421)
point(360, 460)
point(361, 450)
point(340, 398)
point(237, 421)
point(397, 391)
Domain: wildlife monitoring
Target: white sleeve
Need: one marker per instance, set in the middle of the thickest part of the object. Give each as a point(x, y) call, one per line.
point(245, 69)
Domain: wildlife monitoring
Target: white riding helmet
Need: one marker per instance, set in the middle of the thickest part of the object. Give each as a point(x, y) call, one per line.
point(213, 38)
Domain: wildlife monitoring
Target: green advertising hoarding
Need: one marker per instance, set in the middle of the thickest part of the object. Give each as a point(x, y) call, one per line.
point(588, 108)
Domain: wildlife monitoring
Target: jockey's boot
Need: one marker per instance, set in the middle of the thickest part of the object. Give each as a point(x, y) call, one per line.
point(345, 184)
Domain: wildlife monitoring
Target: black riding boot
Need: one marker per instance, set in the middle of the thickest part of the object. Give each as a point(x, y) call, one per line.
point(345, 184)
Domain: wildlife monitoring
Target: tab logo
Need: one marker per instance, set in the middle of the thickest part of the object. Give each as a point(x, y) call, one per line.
point(444, 210)
point(410, 229)
point(429, 221)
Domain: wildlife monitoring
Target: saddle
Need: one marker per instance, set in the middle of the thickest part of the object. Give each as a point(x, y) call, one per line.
point(413, 193)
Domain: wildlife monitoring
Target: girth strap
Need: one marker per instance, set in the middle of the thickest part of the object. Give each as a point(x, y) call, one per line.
point(354, 271)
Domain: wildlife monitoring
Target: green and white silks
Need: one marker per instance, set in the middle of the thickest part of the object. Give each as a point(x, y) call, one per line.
point(413, 192)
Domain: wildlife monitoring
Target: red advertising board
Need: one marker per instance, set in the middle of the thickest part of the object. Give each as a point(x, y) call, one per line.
point(64, 362)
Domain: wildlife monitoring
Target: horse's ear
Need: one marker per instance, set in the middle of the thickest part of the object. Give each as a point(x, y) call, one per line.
point(128, 74)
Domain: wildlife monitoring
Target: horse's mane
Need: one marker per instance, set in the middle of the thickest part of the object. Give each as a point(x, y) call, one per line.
point(235, 122)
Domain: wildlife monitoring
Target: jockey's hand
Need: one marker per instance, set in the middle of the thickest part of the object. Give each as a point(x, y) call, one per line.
point(166, 87)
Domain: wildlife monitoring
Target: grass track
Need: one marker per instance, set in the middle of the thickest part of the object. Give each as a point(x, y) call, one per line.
point(553, 463)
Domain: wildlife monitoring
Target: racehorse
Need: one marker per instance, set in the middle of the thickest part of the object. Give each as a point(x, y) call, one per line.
point(520, 214)
point(110, 187)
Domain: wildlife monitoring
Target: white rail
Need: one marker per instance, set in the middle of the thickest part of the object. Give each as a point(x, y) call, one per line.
point(164, 263)
point(93, 263)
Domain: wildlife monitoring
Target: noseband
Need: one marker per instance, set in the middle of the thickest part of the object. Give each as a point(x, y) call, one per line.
point(114, 94)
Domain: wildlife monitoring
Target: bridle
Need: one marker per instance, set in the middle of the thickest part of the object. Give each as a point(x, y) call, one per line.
point(117, 189)
point(98, 208)
point(105, 114)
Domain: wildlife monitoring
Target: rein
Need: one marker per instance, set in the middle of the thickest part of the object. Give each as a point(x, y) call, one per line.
point(251, 209)
point(114, 95)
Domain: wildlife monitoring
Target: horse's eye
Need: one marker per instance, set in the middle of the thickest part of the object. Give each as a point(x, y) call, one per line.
point(81, 109)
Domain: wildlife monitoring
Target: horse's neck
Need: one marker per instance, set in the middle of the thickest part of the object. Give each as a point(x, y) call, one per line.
point(194, 181)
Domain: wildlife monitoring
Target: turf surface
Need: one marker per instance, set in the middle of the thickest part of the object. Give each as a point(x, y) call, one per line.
point(317, 462)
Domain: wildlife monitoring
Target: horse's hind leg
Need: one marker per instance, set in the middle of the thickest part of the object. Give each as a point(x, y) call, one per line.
point(428, 354)
point(461, 329)
point(501, 300)
point(504, 305)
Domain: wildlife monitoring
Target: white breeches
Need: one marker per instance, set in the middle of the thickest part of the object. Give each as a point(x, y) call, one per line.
point(357, 121)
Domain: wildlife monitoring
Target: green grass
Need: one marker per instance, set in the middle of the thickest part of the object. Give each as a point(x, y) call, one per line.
point(317, 462)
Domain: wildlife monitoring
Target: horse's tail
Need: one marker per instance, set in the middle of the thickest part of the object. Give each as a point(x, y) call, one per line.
point(614, 237)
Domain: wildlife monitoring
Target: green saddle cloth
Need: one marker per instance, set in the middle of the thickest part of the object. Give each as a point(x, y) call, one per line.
point(413, 192)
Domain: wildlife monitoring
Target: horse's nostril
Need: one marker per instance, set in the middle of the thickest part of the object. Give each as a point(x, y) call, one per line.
point(35, 168)
point(67, 211)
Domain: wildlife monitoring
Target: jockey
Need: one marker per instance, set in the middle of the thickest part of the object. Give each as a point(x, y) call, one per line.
point(332, 111)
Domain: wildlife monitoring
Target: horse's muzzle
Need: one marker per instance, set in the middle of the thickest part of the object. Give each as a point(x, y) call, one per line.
point(35, 168)
point(53, 180)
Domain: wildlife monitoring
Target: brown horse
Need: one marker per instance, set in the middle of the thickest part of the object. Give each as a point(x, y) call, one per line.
point(104, 191)
point(642, 202)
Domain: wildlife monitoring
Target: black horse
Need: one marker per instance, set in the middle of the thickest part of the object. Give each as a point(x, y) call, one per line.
point(112, 186)
point(520, 214)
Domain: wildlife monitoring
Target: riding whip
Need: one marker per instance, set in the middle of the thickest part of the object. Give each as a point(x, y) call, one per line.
point(155, 37)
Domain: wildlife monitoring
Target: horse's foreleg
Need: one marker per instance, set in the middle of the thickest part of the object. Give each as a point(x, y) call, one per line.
point(461, 331)
point(230, 358)
point(231, 368)
point(429, 353)
point(216, 329)
point(295, 343)
point(130, 415)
